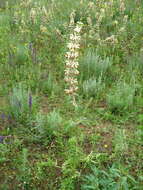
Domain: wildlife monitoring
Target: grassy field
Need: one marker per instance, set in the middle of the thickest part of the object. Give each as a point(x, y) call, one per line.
point(71, 95)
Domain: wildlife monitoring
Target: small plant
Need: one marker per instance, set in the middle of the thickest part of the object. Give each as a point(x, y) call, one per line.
point(3, 152)
point(48, 126)
point(139, 134)
point(74, 156)
point(22, 105)
point(120, 142)
point(46, 169)
point(139, 131)
point(21, 55)
point(23, 166)
point(48, 86)
point(121, 98)
point(135, 63)
point(93, 87)
point(92, 65)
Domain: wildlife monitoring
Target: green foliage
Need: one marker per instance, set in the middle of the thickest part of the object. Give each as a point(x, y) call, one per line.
point(24, 170)
point(92, 65)
point(135, 63)
point(120, 141)
point(48, 126)
point(50, 149)
point(22, 105)
point(94, 71)
point(93, 87)
point(70, 166)
point(121, 98)
point(4, 150)
point(139, 131)
point(112, 178)
point(48, 86)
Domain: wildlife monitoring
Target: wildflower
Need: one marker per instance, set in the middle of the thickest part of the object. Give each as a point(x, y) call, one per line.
point(30, 101)
point(71, 70)
point(72, 64)
point(74, 37)
point(73, 46)
point(44, 11)
point(2, 138)
point(99, 16)
point(33, 15)
point(72, 17)
point(3, 116)
point(78, 29)
point(72, 55)
point(122, 6)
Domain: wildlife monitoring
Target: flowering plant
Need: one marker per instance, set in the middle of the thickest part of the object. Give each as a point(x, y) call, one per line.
point(72, 64)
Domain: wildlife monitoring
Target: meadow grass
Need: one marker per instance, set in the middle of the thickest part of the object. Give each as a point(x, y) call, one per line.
point(48, 142)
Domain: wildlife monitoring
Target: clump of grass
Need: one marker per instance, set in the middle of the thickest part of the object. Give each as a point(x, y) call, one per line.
point(112, 178)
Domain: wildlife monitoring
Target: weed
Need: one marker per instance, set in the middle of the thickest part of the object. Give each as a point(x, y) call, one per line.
point(112, 178)
point(48, 126)
point(24, 176)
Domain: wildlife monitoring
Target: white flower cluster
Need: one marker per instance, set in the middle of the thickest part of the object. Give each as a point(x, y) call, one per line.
point(71, 70)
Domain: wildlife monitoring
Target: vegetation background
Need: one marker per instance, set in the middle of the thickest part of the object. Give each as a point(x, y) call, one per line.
point(48, 143)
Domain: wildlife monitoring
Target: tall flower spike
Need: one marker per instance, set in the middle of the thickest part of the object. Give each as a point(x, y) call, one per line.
point(122, 6)
point(72, 17)
point(71, 66)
